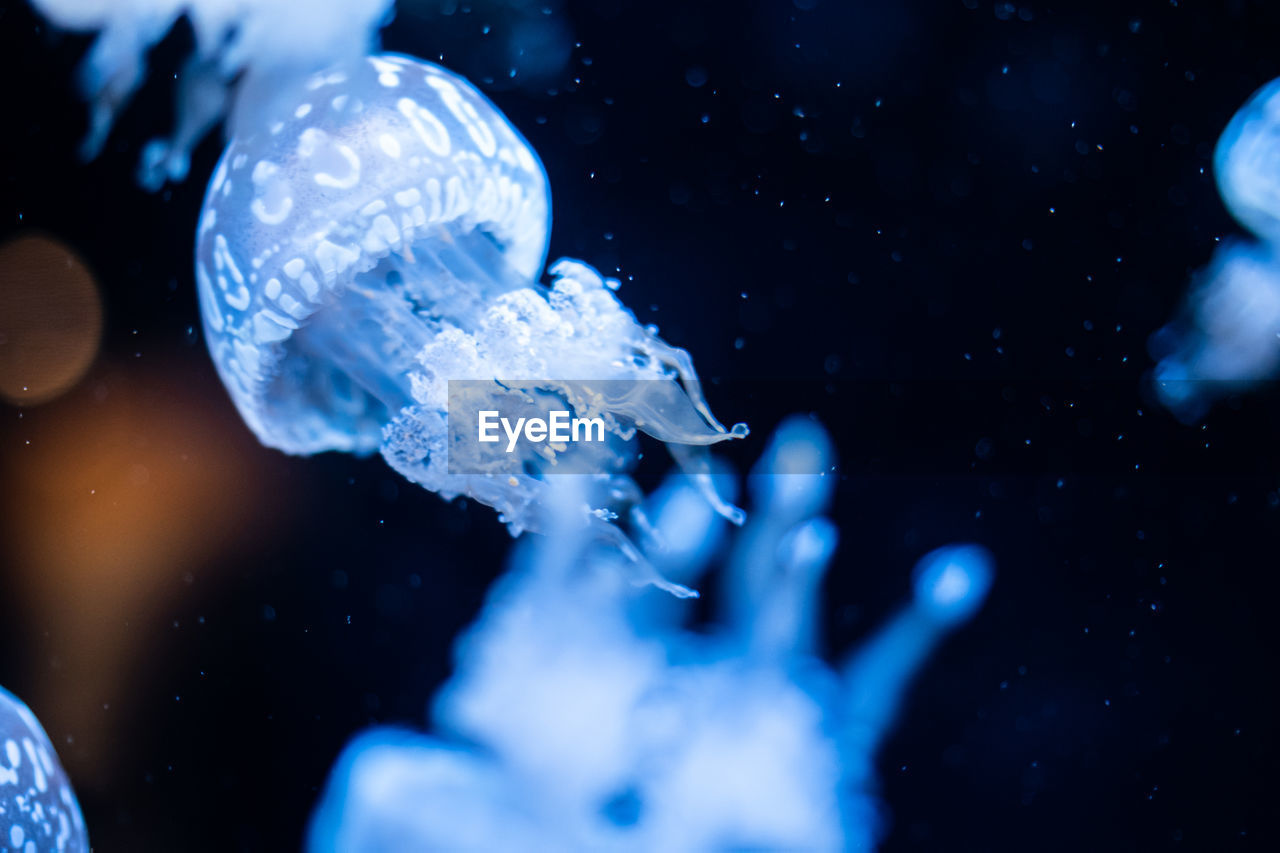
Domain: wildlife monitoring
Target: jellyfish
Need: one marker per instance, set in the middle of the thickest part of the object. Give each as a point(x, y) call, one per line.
point(584, 714)
point(249, 56)
point(1244, 163)
point(377, 248)
point(38, 809)
point(1227, 338)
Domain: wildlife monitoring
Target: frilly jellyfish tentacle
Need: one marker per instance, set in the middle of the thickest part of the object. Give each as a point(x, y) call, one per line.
point(382, 239)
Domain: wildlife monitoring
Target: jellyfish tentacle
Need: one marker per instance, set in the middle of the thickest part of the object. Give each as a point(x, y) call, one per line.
point(790, 485)
point(951, 584)
point(642, 571)
point(786, 624)
point(249, 57)
point(202, 88)
point(695, 462)
point(415, 446)
point(680, 359)
point(113, 70)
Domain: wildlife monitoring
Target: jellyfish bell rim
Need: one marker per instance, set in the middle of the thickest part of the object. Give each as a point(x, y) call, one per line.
point(1240, 138)
point(250, 341)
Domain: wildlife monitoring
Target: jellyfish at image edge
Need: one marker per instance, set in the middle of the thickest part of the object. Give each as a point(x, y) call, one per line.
point(584, 715)
point(38, 809)
point(248, 56)
point(385, 237)
point(1227, 338)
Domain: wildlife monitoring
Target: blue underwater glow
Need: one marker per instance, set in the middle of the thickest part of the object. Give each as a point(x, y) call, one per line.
point(1228, 338)
point(385, 237)
point(583, 714)
point(38, 808)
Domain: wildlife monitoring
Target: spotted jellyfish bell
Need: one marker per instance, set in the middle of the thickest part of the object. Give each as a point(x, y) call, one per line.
point(385, 237)
point(38, 809)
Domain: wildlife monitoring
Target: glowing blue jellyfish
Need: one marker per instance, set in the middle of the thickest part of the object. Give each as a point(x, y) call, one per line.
point(1228, 338)
point(38, 809)
point(385, 237)
point(250, 55)
point(582, 715)
point(1245, 163)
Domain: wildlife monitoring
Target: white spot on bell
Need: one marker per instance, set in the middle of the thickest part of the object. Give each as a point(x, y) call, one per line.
point(342, 181)
point(429, 129)
point(408, 198)
point(271, 217)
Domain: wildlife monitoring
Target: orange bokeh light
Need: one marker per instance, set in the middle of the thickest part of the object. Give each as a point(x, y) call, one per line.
point(120, 490)
point(50, 319)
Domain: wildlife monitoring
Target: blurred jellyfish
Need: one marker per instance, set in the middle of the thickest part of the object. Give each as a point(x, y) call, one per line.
point(1245, 165)
point(1228, 337)
point(582, 715)
point(385, 238)
point(38, 809)
point(249, 56)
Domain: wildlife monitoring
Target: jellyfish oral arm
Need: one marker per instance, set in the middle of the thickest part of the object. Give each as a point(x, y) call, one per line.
point(951, 584)
point(581, 716)
point(248, 56)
